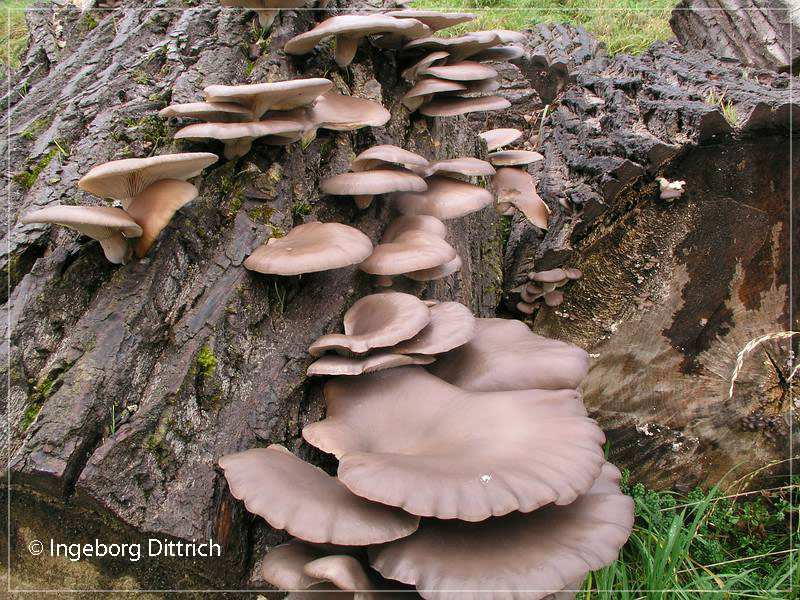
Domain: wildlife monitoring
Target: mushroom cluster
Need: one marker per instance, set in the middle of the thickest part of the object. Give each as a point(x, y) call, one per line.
point(544, 285)
point(514, 188)
point(280, 113)
point(479, 472)
point(150, 191)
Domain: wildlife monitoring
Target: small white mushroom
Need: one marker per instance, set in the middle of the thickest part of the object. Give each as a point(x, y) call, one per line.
point(670, 190)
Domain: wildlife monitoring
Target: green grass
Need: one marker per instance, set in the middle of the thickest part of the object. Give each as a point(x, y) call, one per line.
point(13, 31)
point(705, 545)
point(628, 26)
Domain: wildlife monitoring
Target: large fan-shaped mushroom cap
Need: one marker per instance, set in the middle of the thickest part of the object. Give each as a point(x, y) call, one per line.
point(517, 187)
point(377, 181)
point(406, 438)
point(386, 154)
point(346, 365)
point(376, 321)
point(511, 158)
point(435, 20)
point(311, 505)
point(154, 207)
point(452, 325)
point(408, 252)
point(221, 112)
point(506, 355)
point(497, 138)
point(338, 112)
point(310, 248)
point(238, 137)
point(109, 226)
point(124, 179)
point(451, 107)
point(445, 198)
point(463, 71)
point(529, 555)
point(261, 97)
point(349, 29)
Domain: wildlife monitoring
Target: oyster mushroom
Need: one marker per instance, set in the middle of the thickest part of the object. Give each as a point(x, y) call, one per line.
point(499, 53)
point(310, 248)
point(347, 365)
point(530, 555)
point(506, 355)
point(266, 10)
point(422, 91)
point(465, 166)
point(445, 198)
point(238, 137)
point(294, 495)
point(497, 138)
point(452, 325)
point(258, 98)
point(550, 279)
point(338, 112)
point(154, 207)
point(670, 190)
point(219, 112)
point(109, 226)
point(412, 73)
point(458, 48)
point(409, 252)
point(512, 158)
point(124, 179)
point(462, 71)
point(386, 154)
point(435, 20)
point(439, 272)
point(517, 188)
point(406, 438)
point(421, 223)
point(348, 31)
point(363, 185)
point(376, 321)
point(451, 107)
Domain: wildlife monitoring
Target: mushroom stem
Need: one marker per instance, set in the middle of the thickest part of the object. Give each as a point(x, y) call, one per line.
point(237, 148)
point(363, 201)
point(116, 249)
point(345, 51)
point(384, 281)
point(266, 17)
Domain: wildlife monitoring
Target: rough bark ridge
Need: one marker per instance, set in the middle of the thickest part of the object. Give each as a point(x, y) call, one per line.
point(127, 384)
point(672, 291)
point(758, 33)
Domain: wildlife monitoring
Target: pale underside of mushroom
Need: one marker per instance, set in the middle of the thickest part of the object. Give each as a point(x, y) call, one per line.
point(376, 321)
point(424, 89)
point(412, 73)
point(529, 555)
point(452, 325)
point(124, 179)
point(439, 272)
point(238, 137)
point(332, 364)
point(310, 248)
point(445, 198)
point(386, 154)
point(512, 158)
point(262, 97)
point(348, 31)
point(451, 107)
point(154, 207)
point(497, 138)
point(267, 481)
point(459, 48)
point(517, 187)
point(499, 53)
point(109, 226)
point(506, 355)
point(363, 185)
point(406, 438)
point(220, 112)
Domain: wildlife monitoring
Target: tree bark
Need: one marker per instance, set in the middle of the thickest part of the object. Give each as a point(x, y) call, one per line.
point(757, 33)
point(128, 383)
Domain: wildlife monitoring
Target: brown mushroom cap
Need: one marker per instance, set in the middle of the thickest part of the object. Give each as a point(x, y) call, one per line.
point(102, 223)
point(223, 112)
point(499, 53)
point(467, 166)
point(497, 138)
point(451, 107)
point(505, 355)
point(572, 273)
point(554, 298)
point(376, 321)
point(261, 97)
point(478, 87)
point(238, 137)
point(446, 198)
point(421, 223)
point(154, 207)
point(338, 112)
point(331, 364)
point(424, 88)
point(348, 29)
point(517, 187)
point(452, 325)
point(311, 505)
point(510, 158)
point(386, 154)
point(550, 276)
point(310, 248)
point(412, 73)
point(460, 47)
point(408, 252)
point(406, 438)
point(377, 181)
point(466, 70)
point(435, 20)
point(283, 565)
point(530, 555)
point(439, 272)
point(124, 179)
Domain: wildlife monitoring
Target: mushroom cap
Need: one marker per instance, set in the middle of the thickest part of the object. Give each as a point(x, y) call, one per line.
point(497, 138)
point(294, 495)
point(508, 36)
point(446, 198)
point(376, 321)
point(459, 47)
point(452, 325)
point(531, 555)
point(517, 187)
point(554, 298)
point(499, 53)
point(283, 565)
point(225, 112)
point(408, 252)
point(420, 223)
point(239, 131)
point(310, 248)
point(572, 273)
point(435, 20)
point(154, 207)
point(412, 73)
point(354, 26)
point(451, 107)
point(549, 276)
point(439, 272)
point(505, 355)
point(330, 364)
point(466, 70)
point(342, 571)
point(124, 179)
point(467, 166)
point(478, 87)
point(278, 95)
point(510, 158)
point(377, 181)
point(386, 154)
point(427, 86)
point(406, 438)
point(98, 222)
point(345, 113)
